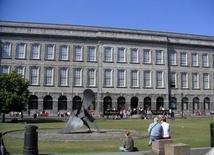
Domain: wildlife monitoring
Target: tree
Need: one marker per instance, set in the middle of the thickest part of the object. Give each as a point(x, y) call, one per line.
point(14, 94)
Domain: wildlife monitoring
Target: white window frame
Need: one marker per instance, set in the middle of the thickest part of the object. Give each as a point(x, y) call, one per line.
point(147, 56)
point(147, 79)
point(206, 81)
point(205, 60)
point(173, 79)
point(108, 54)
point(50, 52)
point(21, 51)
point(92, 54)
point(6, 50)
point(121, 78)
point(49, 76)
point(108, 75)
point(172, 58)
point(5, 69)
point(91, 77)
point(160, 79)
point(194, 59)
point(195, 81)
point(184, 80)
point(134, 55)
point(159, 57)
point(20, 70)
point(63, 76)
point(34, 75)
point(78, 53)
point(121, 55)
point(183, 59)
point(77, 75)
point(35, 51)
point(134, 78)
point(63, 54)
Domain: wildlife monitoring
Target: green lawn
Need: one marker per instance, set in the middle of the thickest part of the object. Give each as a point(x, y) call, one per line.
point(192, 131)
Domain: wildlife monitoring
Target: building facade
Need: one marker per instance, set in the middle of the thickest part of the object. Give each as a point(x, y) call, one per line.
point(125, 68)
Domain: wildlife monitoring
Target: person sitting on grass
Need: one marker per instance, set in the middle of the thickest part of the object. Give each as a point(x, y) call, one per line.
point(128, 144)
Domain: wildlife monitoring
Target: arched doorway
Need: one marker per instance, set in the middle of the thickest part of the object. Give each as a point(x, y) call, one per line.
point(147, 103)
point(173, 103)
point(33, 102)
point(77, 103)
point(134, 102)
point(121, 103)
point(107, 101)
point(62, 103)
point(206, 104)
point(159, 103)
point(48, 103)
point(195, 104)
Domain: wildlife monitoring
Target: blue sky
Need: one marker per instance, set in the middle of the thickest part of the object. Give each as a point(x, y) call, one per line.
point(180, 16)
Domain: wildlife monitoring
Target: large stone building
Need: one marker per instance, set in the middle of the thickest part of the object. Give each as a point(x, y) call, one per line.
point(124, 67)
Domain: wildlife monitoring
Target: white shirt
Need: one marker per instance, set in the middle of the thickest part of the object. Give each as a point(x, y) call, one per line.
point(166, 129)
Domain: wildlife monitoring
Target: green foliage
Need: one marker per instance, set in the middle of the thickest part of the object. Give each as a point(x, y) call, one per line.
point(14, 92)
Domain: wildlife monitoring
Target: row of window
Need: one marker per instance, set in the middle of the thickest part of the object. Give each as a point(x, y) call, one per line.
point(108, 56)
point(109, 77)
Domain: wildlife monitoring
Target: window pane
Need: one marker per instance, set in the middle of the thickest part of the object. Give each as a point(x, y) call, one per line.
point(35, 52)
point(159, 57)
point(121, 55)
point(78, 53)
point(195, 81)
point(172, 58)
point(121, 78)
point(107, 54)
point(206, 81)
point(108, 78)
point(146, 56)
point(205, 62)
point(134, 79)
point(20, 70)
point(183, 59)
point(63, 77)
point(134, 55)
point(160, 79)
point(34, 76)
point(49, 76)
point(91, 77)
point(77, 77)
point(6, 50)
point(20, 51)
point(5, 69)
point(184, 80)
point(63, 53)
point(91, 54)
point(194, 59)
point(49, 52)
point(147, 79)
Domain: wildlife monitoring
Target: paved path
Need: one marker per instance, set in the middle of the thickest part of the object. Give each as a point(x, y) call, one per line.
point(193, 151)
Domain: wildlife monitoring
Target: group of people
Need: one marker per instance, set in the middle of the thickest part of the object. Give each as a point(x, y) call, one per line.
point(156, 131)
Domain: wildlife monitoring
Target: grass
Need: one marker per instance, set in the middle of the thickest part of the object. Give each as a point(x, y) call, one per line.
point(192, 131)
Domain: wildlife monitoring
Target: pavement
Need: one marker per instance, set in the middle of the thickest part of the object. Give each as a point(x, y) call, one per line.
point(193, 151)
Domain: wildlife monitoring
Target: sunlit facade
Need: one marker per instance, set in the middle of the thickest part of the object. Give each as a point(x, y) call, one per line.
point(125, 68)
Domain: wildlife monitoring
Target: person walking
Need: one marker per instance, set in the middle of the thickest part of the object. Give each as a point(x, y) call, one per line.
point(166, 128)
point(155, 130)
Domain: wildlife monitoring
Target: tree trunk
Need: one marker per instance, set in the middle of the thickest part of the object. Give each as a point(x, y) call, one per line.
point(3, 118)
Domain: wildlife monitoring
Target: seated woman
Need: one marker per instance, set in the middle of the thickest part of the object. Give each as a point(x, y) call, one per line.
point(128, 144)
